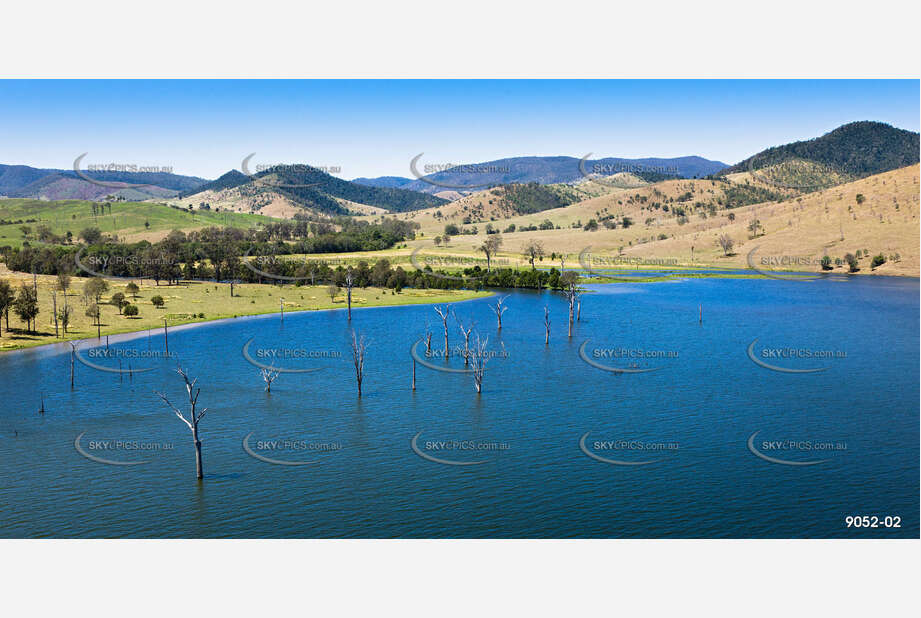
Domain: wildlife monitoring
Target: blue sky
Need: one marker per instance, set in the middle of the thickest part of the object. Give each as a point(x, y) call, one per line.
point(374, 128)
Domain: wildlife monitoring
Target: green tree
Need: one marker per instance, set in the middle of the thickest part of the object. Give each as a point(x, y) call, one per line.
point(878, 260)
point(157, 301)
point(851, 262)
point(133, 289)
point(26, 306)
point(7, 297)
point(91, 235)
point(118, 299)
point(130, 310)
point(826, 263)
point(95, 288)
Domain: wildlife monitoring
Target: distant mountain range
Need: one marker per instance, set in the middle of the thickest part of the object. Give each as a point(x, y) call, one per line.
point(853, 150)
point(542, 170)
point(53, 184)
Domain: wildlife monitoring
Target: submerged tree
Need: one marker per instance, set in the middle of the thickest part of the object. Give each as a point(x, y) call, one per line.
point(478, 357)
point(570, 292)
point(194, 417)
point(268, 376)
point(498, 309)
point(547, 325)
point(443, 313)
point(466, 333)
point(359, 347)
point(349, 283)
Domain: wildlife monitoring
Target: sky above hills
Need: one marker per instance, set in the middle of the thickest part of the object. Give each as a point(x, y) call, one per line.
point(375, 128)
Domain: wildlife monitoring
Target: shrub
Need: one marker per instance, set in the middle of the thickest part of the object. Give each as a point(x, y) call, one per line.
point(157, 301)
point(851, 262)
point(130, 310)
point(878, 260)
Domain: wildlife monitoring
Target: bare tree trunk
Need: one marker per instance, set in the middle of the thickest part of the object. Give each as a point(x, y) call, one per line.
point(73, 352)
point(349, 281)
point(479, 357)
point(199, 471)
point(194, 416)
point(547, 325)
point(54, 305)
point(166, 338)
point(269, 375)
point(443, 312)
point(359, 346)
point(579, 310)
point(498, 309)
point(466, 333)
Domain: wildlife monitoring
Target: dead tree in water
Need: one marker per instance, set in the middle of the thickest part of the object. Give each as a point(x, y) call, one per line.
point(428, 341)
point(73, 353)
point(443, 313)
point(349, 282)
point(268, 376)
point(479, 357)
point(194, 416)
point(547, 325)
point(466, 333)
point(570, 292)
point(359, 346)
point(498, 309)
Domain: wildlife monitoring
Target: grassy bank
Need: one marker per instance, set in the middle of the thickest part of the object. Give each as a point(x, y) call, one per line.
point(130, 221)
point(191, 302)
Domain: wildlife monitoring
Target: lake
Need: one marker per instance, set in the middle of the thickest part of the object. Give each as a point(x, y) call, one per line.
point(790, 407)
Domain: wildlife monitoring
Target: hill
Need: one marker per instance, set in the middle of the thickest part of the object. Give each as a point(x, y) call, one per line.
point(679, 222)
point(542, 170)
point(292, 188)
point(851, 151)
point(29, 182)
point(37, 221)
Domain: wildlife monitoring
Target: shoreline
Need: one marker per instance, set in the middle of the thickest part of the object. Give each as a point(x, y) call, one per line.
point(62, 345)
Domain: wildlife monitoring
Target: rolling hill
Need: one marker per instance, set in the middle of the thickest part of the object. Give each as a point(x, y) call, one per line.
point(288, 189)
point(852, 151)
point(52, 184)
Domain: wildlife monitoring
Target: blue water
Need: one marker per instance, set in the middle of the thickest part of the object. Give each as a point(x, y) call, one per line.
point(705, 398)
